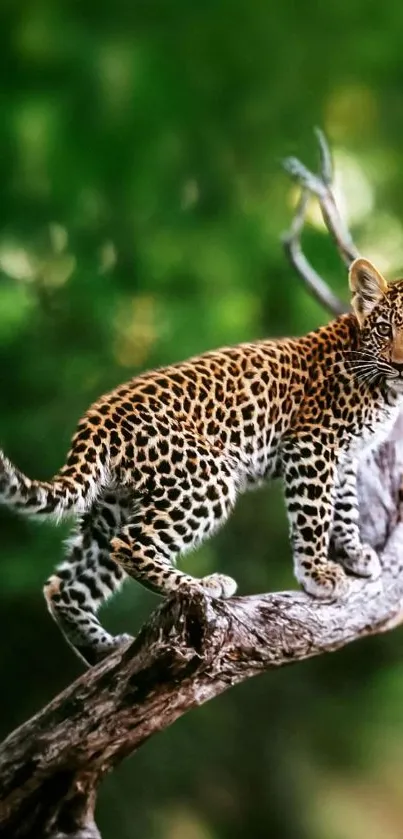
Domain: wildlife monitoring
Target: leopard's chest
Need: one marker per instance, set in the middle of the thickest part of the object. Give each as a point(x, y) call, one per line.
point(259, 460)
point(371, 428)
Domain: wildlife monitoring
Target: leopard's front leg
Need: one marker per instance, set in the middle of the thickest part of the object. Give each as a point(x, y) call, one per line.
point(309, 467)
point(359, 558)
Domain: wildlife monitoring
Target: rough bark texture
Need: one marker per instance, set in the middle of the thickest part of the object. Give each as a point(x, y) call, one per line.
point(193, 648)
point(190, 650)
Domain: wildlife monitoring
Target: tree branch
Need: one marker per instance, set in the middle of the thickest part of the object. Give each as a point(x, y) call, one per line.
point(191, 649)
point(294, 253)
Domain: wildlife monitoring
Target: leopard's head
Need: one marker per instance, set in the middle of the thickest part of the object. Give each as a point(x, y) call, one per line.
point(378, 307)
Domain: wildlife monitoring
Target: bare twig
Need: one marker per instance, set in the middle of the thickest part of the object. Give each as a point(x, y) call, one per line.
point(325, 158)
point(293, 250)
point(321, 187)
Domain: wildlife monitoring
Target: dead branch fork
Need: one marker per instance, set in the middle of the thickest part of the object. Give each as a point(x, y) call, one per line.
point(319, 186)
point(192, 648)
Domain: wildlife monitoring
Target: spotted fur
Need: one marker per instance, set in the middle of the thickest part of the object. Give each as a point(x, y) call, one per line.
point(156, 466)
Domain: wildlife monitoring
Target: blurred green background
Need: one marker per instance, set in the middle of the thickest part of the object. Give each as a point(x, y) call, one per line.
point(142, 201)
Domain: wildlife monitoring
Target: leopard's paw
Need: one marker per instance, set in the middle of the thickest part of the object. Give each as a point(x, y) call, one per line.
point(122, 640)
point(365, 563)
point(93, 654)
point(326, 581)
point(219, 586)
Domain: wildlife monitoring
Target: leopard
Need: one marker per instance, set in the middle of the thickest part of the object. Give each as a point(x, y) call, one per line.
point(156, 465)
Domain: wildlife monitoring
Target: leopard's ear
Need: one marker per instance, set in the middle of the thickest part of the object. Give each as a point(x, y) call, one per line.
point(367, 285)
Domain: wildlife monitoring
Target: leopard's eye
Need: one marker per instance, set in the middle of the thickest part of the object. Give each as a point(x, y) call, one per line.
point(384, 329)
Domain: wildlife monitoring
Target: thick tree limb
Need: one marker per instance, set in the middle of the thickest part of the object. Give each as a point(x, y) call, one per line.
point(191, 649)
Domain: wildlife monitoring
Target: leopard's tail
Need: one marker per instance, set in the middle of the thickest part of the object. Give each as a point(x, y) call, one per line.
point(72, 490)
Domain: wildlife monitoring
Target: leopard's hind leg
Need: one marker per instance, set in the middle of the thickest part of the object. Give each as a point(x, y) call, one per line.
point(86, 579)
point(171, 521)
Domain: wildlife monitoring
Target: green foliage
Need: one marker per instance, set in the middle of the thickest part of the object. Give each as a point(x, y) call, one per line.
point(142, 206)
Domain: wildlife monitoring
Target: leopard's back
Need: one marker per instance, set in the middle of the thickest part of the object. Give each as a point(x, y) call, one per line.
point(239, 401)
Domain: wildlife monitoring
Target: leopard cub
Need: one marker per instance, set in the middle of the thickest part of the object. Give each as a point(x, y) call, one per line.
point(156, 466)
